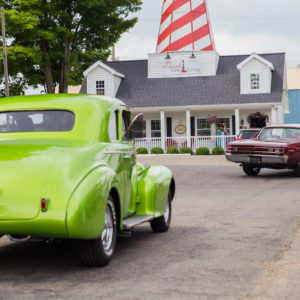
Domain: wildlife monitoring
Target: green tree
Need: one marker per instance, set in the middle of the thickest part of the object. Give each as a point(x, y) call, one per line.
point(17, 86)
point(51, 42)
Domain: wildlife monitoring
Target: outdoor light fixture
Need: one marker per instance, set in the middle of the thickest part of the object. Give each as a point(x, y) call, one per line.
point(242, 122)
point(168, 56)
point(193, 55)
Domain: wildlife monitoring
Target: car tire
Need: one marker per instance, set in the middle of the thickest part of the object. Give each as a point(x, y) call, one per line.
point(251, 170)
point(162, 224)
point(98, 252)
point(297, 171)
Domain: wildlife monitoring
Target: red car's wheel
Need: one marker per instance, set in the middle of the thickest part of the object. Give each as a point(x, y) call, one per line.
point(297, 171)
point(251, 170)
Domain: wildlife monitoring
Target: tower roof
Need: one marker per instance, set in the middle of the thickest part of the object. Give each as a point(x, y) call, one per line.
point(185, 26)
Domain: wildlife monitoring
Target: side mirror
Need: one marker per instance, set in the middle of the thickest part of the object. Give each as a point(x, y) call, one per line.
point(136, 125)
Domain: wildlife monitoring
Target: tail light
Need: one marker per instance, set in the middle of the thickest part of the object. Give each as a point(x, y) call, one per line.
point(276, 150)
point(279, 150)
point(44, 205)
point(292, 149)
point(229, 149)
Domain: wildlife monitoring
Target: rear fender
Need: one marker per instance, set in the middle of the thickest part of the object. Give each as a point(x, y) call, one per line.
point(87, 205)
point(154, 184)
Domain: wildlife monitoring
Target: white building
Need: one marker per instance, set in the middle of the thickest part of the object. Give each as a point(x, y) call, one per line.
point(188, 94)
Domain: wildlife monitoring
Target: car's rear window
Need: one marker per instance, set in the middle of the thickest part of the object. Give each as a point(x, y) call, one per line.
point(36, 120)
point(277, 133)
point(247, 134)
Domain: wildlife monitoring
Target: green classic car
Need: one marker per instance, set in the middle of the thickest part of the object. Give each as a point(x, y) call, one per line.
point(69, 171)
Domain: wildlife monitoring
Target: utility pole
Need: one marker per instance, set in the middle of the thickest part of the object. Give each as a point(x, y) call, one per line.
point(113, 53)
point(4, 53)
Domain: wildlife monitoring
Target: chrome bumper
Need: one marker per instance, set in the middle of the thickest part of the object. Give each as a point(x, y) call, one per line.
point(265, 159)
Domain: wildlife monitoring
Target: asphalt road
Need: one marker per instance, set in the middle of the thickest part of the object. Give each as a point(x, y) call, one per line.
point(232, 237)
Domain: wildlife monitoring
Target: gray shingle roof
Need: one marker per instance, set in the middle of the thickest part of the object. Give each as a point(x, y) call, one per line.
point(136, 90)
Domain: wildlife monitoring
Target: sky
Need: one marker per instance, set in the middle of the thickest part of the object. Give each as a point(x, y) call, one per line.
point(239, 27)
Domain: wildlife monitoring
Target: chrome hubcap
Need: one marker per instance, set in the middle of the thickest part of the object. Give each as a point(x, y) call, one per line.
point(108, 232)
point(167, 212)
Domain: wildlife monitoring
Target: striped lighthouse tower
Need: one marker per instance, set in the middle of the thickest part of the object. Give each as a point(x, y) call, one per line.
point(185, 26)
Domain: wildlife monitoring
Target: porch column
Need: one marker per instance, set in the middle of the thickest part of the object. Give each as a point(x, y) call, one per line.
point(188, 127)
point(237, 121)
point(162, 129)
point(148, 128)
point(274, 115)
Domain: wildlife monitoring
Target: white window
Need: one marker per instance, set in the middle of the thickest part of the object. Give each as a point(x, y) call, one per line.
point(100, 87)
point(155, 128)
point(254, 81)
point(203, 127)
point(113, 126)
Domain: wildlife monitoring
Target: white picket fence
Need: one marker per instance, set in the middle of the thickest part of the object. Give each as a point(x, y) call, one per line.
point(209, 142)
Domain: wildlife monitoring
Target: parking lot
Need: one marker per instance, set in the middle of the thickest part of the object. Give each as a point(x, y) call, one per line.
point(232, 237)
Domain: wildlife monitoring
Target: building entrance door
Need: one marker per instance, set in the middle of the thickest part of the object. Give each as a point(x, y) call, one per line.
point(258, 122)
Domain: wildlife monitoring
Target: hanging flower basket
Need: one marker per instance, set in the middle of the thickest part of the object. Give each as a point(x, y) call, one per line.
point(211, 119)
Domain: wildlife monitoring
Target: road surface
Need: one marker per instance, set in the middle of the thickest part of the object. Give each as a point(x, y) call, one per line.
point(232, 237)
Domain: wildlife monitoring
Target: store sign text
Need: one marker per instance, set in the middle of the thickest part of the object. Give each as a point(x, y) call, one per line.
point(183, 67)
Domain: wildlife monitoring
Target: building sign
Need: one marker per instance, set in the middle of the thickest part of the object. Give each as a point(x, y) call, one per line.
point(180, 67)
point(180, 129)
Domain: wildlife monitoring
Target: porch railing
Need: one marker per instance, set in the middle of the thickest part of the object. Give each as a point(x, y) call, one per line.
point(209, 142)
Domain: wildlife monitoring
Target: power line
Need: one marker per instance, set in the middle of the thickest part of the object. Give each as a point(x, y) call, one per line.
point(241, 18)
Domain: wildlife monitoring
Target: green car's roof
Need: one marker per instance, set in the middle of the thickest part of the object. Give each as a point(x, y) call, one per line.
point(70, 101)
point(92, 114)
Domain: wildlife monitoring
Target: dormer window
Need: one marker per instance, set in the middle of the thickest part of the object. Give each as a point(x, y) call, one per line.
point(100, 87)
point(254, 81)
point(255, 75)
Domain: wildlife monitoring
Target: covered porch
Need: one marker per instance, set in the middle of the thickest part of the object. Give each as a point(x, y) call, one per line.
point(202, 126)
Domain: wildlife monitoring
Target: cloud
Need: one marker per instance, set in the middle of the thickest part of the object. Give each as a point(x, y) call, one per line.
point(135, 46)
point(229, 44)
point(274, 17)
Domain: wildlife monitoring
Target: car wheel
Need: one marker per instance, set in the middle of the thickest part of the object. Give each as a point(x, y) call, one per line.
point(297, 171)
point(98, 252)
point(251, 170)
point(162, 224)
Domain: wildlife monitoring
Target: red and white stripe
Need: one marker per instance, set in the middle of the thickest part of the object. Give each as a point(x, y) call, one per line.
point(185, 26)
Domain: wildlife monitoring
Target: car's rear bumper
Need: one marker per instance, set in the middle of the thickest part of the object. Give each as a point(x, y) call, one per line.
point(265, 159)
point(34, 227)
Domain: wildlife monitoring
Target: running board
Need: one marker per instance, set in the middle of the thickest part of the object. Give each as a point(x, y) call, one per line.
point(135, 220)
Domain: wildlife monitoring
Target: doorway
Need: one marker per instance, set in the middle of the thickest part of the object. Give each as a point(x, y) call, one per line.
point(169, 127)
point(258, 122)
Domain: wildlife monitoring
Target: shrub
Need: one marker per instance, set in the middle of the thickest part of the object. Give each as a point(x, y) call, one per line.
point(157, 150)
point(172, 150)
point(142, 151)
point(218, 151)
point(186, 150)
point(202, 151)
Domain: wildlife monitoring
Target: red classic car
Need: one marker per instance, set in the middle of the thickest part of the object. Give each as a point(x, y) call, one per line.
point(275, 147)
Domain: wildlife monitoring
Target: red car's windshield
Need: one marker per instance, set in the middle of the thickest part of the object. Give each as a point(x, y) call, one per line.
point(36, 120)
point(277, 133)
